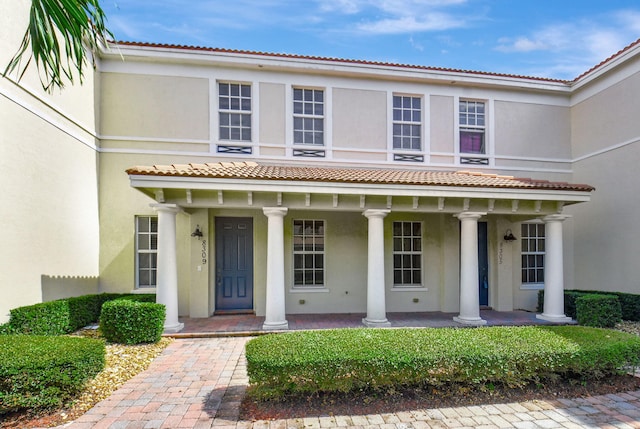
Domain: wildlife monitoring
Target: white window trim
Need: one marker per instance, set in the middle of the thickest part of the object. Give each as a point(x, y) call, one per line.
point(328, 122)
point(530, 286)
point(423, 132)
point(309, 288)
point(409, 287)
point(489, 139)
point(215, 114)
point(137, 287)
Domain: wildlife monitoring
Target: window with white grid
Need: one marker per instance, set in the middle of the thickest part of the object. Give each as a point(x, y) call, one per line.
point(407, 122)
point(308, 253)
point(472, 127)
point(407, 253)
point(146, 251)
point(308, 116)
point(234, 104)
point(533, 251)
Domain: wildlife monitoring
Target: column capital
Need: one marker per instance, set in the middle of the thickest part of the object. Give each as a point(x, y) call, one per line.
point(469, 215)
point(159, 207)
point(275, 211)
point(375, 213)
point(556, 218)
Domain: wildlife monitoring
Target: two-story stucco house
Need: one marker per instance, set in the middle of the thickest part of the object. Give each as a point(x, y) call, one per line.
point(231, 181)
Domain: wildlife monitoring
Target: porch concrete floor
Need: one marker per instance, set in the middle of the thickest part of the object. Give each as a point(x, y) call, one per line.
point(248, 324)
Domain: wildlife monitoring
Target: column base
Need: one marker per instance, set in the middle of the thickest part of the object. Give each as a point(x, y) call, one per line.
point(471, 321)
point(560, 318)
point(380, 323)
point(173, 328)
point(272, 326)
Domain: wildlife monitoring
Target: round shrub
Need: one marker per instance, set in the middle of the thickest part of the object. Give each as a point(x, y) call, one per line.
point(130, 322)
point(600, 311)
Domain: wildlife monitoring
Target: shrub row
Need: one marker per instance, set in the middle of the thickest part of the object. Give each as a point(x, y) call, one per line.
point(43, 372)
point(64, 315)
point(629, 303)
point(598, 310)
point(357, 359)
point(132, 322)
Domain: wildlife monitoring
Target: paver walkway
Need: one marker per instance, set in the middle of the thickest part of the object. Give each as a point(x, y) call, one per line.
point(199, 382)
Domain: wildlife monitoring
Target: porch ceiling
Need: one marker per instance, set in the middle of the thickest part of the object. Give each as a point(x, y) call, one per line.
point(250, 185)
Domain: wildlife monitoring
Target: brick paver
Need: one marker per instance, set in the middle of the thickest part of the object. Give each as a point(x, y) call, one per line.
point(199, 382)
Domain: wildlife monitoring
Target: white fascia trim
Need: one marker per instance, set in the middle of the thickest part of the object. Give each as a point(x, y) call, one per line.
point(57, 119)
point(607, 149)
point(144, 181)
point(253, 61)
point(152, 139)
point(606, 67)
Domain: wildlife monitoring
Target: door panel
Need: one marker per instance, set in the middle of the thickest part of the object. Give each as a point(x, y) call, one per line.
point(234, 263)
point(483, 263)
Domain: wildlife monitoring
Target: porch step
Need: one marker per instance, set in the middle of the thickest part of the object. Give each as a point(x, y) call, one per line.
point(232, 312)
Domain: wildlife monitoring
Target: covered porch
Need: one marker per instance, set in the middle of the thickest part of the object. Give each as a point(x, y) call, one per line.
point(445, 208)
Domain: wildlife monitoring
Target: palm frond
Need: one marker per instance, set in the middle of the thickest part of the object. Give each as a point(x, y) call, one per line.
point(78, 25)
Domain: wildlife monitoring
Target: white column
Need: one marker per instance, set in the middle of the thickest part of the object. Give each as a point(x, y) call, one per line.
point(275, 311)
point(167, 269)
point(553, 310)
point(469, 281)
point(376, 311)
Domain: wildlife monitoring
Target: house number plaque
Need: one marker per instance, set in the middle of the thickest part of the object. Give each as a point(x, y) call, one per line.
point(204, 252)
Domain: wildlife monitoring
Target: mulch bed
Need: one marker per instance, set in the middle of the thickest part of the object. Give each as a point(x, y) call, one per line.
point(363, 403)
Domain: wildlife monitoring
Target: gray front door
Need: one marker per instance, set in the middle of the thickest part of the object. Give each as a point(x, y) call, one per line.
point(234, 264)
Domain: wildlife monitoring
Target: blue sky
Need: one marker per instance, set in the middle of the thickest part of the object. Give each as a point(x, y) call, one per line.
point(555, 39)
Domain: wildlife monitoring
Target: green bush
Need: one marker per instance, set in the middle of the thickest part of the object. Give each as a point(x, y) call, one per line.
point(43, 372)
point(600, 311)
point(629, 303)
point(64, 316)
point(360, 359)
point(129, 321)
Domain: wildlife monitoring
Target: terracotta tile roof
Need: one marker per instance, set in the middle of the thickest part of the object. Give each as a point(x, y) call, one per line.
point(255, 171)
point(335, 60)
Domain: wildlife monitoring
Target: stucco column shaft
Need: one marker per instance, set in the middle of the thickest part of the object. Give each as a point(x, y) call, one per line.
point(469, 281)
point(275, 317)
point(167, 268)
point(376, 309)
point(553, 310)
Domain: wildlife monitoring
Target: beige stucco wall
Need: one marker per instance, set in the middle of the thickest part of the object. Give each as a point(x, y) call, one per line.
point(154, 106)
point(49, 215)
point(272, 113)
point(442, 117)
point(532, 130)
point(359, 119)
point(606, 118)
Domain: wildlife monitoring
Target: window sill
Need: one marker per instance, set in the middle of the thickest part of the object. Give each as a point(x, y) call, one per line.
point(144, 290)
point(532, 286)
point(309, 290)
point(409, 289)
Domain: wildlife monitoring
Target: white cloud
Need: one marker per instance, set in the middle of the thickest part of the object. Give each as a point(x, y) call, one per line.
point(411, 24)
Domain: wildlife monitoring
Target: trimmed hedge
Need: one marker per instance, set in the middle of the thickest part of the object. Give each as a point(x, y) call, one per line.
point(600, 311)
point(129, 321)
point(43, 372)
point(357, 359)
point(63, 316)
point(629, 303)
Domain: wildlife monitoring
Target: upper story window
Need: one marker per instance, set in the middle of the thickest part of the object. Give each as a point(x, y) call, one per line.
point(407, 122)
point(234, 104)
point(472, 123)
point(146, 251)
point(407, 253)
point(308, 116)
point(533, 251)
point(308, 253)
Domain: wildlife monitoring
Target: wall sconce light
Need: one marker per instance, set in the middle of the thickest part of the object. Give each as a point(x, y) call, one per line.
point(197, 232)
point(508, 236)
